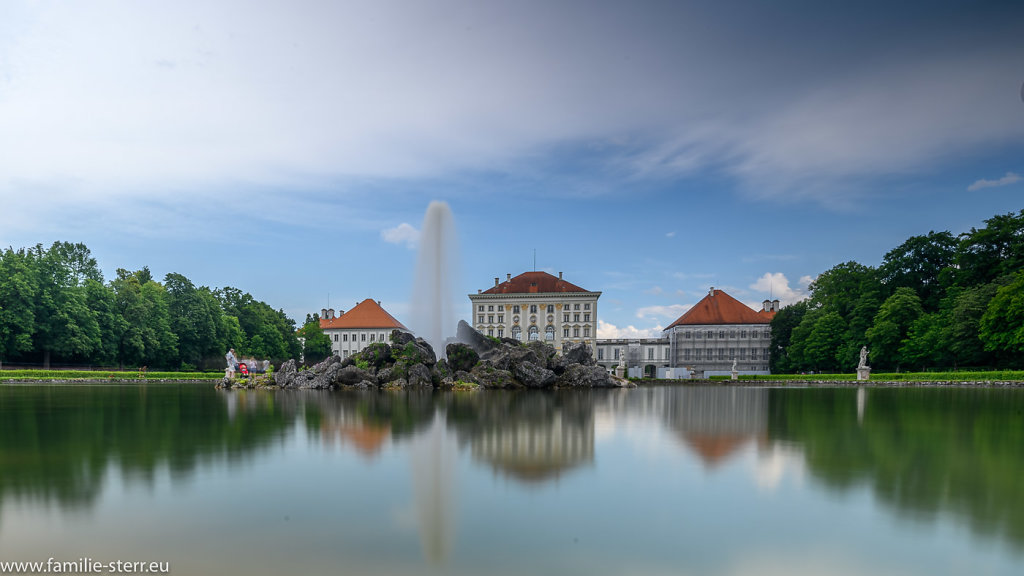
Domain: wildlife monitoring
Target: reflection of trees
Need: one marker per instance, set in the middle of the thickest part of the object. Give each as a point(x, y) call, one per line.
point(529, 436)
point(922, 451)
point(57, 442)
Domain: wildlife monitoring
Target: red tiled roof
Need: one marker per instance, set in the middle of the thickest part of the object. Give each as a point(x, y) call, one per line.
point(720, 308)
point(534, 283)
point(366, 314)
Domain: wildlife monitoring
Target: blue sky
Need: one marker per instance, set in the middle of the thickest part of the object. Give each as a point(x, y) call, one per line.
point(648, 150)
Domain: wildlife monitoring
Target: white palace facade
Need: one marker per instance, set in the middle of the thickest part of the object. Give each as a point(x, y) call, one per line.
point(537, 306)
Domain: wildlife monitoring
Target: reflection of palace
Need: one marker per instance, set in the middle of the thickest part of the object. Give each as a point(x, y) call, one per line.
point(536, 451)
point(715, 423)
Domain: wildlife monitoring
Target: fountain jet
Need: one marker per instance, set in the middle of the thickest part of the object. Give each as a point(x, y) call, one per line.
point(434, 316)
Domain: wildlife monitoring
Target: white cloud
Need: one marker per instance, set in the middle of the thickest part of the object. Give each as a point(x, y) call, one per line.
point(404, 233)
point(611, 331)
point(776, 286)
point(1010, 178)
point(671, 234)
point(671, 311)
point(654, 291)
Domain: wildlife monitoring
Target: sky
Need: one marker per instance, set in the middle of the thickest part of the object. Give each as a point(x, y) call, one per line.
point(648, 149)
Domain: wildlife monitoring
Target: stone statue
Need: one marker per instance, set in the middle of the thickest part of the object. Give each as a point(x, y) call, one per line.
point(863, 370)
point(733, 364)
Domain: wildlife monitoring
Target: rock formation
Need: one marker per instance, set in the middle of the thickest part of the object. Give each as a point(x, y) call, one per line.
point(476, 361)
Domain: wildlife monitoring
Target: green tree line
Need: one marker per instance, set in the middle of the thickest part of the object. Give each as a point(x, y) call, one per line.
point(937, 301)
point(56, 307)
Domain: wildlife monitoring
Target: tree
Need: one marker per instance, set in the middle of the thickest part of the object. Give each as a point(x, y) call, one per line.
point(64, 324)
point(18, 289)
point(993, 251)
point(823, 343)
point(192, 319)
point(317, 344)
point(1002, 325)
point(918, 263)
point(891, 325)
point(782, 325)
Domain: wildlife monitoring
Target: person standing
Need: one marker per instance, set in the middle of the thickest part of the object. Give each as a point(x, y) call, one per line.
point(232, 363)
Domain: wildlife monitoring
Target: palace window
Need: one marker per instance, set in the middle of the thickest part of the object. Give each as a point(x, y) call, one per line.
point(650, 353)
point(363, 338)
point(490, 331)
point(586, 306)
point(576, 307)
point(515, 309)
point(565, 317)
point(549, 334)
point(600, 353)
point(372, 336)
point(517, 333)
point(743, 333)
point(586, 331)
point(551, 308)
point(501, 307)
point(480, 308)
point(490, 318)
point(480, 319)
point(533, 308)
point(686, 354)
point(616, 353)
point(586, 317)
point(696, 354)
point(501, 332)
point(576, 332)
point(533, 333)
point(721, 333)
point(732, 333)
point(501, 318)
point(565, 333)
point(344, 337)
point(575, 317)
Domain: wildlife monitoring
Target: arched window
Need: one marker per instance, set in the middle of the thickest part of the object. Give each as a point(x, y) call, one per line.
point(549, 333)
point(533, 333)
point(517, 333)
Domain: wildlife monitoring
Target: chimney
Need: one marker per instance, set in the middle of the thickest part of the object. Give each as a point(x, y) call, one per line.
point(479, 291)
point(378, 302)
point(766, 306)
point(559, 275)
point(495, 280)
point(508, 276)
point(323, 313)
point(711, 291)
point(330, 313)
point(775, 306)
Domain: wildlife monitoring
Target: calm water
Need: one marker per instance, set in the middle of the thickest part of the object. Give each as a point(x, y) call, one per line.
point(652, 481)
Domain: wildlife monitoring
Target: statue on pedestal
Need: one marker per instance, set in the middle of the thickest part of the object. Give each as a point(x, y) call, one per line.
point(863, 370)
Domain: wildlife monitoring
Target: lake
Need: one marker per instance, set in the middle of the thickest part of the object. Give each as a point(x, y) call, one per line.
point(649, 481)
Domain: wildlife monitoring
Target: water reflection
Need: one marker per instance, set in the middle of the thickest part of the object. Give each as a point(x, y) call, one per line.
point(929, 455)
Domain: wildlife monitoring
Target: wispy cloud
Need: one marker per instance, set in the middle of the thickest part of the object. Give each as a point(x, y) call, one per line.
point(1010, 178)
point(611, 331)
point(404, 233)
point(671, 234)
point(671, 311)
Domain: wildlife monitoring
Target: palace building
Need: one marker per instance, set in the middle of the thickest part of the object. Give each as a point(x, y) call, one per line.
point(352, 331)
point(537, 306)
point(719, 330)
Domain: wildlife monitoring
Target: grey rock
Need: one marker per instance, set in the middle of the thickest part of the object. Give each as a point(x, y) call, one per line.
point(461, 357)
point(399, 338)
point(488, 376)
point(351, 375)
point(468, 335)
point(578, 353)
point(419, 377)
point(533, 376)
point(545, 352)
point(285, 377)
point(580, 376)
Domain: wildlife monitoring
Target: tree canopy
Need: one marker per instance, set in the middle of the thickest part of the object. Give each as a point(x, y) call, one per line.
point(55, 306)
